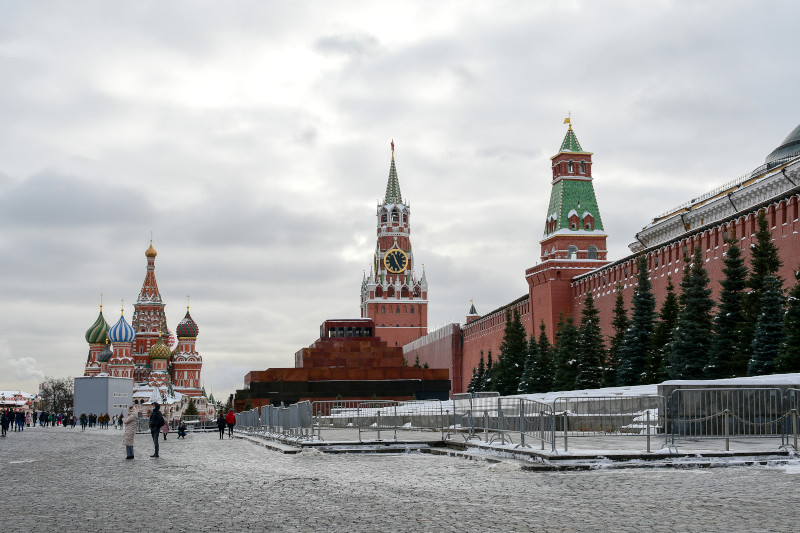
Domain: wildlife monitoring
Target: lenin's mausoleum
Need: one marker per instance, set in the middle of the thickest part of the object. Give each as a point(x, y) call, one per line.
point(573, 262)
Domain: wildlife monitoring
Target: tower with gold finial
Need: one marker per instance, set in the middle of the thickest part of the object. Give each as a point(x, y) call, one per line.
point(122, 336)
point(96, 336)
point(574, 241)
point(186, 362)
point(149, 320)
point(392, 295)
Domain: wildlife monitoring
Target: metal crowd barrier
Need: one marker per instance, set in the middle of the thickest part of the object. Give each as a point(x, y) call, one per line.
point(727, 413)
point(382, 417)
point(293, 421)
point(688, 414)
point(792, 405)
point(606, 416)
point(503, 418)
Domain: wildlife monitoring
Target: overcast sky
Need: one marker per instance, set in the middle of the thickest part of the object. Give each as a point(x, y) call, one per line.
point(253, 138)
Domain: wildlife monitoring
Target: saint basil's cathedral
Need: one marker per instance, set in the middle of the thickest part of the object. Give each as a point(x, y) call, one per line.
point(141, 351)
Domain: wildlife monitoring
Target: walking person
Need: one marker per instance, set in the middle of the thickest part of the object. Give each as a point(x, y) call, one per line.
point(156, 423)
point(119, 419)
point(130, 431)
point(230, 419)
point(221, 426)
point(4, 423)
point(165, 430)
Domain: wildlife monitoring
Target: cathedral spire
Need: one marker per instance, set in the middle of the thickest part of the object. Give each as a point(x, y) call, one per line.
point(393, 195)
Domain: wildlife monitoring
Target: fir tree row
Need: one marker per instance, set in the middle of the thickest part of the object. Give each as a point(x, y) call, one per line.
point(755, 331)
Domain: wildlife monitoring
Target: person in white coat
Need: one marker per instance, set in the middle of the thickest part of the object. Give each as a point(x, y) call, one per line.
point(130, 431)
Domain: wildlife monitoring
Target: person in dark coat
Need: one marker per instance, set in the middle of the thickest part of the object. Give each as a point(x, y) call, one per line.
point(156, 422)
point(230, 419)
point(4, 422)
point(221, 426)
point(182, 430)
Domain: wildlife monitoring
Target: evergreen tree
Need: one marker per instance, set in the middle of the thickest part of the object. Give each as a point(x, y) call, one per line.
point(638, 338)
point(691, 340)
point(658, 361)
point(728, 357)
point(488, 384)
point(416, 362)
point(764, 261)
point(789, 357)
point(527, 372)
point(769, 334)
point(591, 352)
point(620, 324)
point(480, 376)
point(511, 361)
point(471, 384)
point(566, 355)
point(191, 409)
point(544, 367)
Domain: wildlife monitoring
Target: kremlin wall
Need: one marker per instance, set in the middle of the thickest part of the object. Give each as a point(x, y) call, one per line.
point(572, 262)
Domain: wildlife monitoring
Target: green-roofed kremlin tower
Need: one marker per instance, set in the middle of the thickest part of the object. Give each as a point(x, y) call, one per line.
point(574, 241)
point(392, 295)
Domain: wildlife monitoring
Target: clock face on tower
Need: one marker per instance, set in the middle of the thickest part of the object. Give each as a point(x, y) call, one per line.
point(395, 261)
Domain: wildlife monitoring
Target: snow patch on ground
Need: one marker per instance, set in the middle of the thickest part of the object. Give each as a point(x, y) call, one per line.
point(310, 452)
point(504, 466)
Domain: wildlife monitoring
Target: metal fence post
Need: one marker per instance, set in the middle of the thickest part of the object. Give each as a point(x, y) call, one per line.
point(727, 440)
point(521, 423)
point(541, 427)
point(794, 427)
point(486, 426)
point(565, 429)
point(378, 422)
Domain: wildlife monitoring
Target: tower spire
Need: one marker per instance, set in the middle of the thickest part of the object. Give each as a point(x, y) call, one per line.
point(393, 195)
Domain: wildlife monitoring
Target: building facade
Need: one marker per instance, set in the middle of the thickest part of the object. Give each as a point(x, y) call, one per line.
point(391, 295)
point(141, 351)
point(573, 257)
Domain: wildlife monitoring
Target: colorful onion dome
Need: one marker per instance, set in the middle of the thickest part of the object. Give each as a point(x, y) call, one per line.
point(159, 350)
point(106, 355)
point(121, 331)
point(151, 252)
point(187, 327)
point(98, 332)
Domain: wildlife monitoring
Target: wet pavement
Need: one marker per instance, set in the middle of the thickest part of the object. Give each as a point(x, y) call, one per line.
point(57, 479)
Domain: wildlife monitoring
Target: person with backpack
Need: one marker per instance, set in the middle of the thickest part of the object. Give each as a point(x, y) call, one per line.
point(156, 423)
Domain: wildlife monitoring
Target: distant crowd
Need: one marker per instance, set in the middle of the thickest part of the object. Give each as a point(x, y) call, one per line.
point(17, 420)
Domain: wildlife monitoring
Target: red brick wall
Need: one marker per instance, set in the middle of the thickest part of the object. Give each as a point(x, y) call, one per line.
point(440, 349)
point(782, 217)
point(486, 333)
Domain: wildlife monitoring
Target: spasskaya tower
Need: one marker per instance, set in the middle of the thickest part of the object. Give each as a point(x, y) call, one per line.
point(391, 295)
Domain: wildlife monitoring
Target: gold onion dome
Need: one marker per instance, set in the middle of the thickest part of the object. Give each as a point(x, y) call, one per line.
point(159, 350)
point(97, 332)
point(151, 252)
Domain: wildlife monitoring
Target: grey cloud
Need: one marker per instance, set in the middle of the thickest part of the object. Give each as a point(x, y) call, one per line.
point(54, 199)
point(353, 45)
